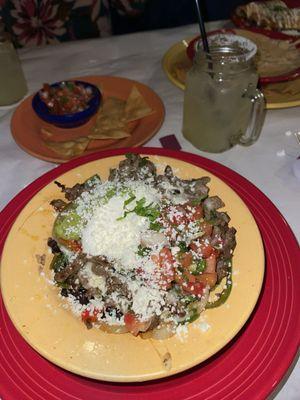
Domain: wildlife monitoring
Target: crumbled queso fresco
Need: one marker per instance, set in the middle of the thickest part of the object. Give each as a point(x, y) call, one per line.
point(141, 252)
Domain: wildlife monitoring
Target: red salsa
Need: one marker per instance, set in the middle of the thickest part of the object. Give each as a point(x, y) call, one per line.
point(66, 98)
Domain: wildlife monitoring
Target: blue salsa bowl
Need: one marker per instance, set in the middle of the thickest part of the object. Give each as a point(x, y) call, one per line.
point(68, 120)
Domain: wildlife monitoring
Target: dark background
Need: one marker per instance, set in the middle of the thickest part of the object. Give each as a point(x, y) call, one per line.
point(170, 13)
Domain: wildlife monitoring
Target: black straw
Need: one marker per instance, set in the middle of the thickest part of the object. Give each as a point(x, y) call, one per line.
point(202, 28)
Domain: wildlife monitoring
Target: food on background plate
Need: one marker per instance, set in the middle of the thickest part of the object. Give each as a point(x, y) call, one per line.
point(110, 122)
point(116, 119)
point(274, 57)
point(70, 148)
point(141, 252)
point(136, 106)
point(181, 68)
point(66, 98)
point(272, 15)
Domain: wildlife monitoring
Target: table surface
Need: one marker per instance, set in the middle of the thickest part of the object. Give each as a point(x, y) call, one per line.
point(267, 163)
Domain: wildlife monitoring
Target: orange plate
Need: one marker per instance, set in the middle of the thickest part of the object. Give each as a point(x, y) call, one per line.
point(26, 126)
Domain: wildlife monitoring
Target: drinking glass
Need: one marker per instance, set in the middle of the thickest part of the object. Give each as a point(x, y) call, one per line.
point(222, 105)
point(12, 82)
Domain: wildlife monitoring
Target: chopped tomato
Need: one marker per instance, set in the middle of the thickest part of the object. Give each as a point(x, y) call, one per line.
point(183, 277)
point(202, 248)
point(194, 212)
point(176, 215)
point(87, 316)
point(180, 278)
point(165, 258)
point(73, 245)
point(67, 97)
point(207, 279)
point(211, 262)
point(129, 319)
point(183, 214)
point(166, 262)
point(133, 324)
point(139, 270)
point(155, 258)
point(186, 259)
point(165, 281)
point(206, 227)
point(195, 288)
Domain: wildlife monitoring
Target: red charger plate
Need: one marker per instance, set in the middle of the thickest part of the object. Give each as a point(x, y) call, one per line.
point(190, 51)
point(248, 368)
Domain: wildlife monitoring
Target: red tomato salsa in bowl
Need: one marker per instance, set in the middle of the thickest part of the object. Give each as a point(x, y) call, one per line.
point(68, 97)
point(67, 104)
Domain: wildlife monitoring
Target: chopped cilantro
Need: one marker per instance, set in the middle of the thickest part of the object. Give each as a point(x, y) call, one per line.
point(70, 85)
point(183, 247)
point(63, 285)
point(150, 211)
point(128, 201)
point(64, 100)
point(129, 156)
point(109, 194)
point(155, 226)
point(143, 251)
point(198, 200)
point(198, 267)
point(143, 161)
point(59, 261)
point(187, 299)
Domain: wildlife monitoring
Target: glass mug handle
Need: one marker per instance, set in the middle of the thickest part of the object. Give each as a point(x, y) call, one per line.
point(256, 118)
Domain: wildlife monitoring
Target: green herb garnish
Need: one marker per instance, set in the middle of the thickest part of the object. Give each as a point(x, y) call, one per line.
point(63, 285)
point(70, 85)
point(59, 261)
point(183, 247)
point(155, 226)
point(223, 296)
point(198, 200)
point(187, 299)
point(143, 161)
point(109, 194)
point(129, 156)
point(128, 201)
point(198, 267)
point(64, 100)
point(150, 211)
point(143, 251)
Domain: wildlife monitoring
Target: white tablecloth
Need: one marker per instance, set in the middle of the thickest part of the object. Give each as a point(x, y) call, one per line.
point(267, 164)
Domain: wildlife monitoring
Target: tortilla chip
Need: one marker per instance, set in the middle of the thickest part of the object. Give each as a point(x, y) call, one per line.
point(109, 134)
point(136, 106)
point(117, 118)
point(46, 135)
point(111, 116)
point(69, 148)
point(110, 122)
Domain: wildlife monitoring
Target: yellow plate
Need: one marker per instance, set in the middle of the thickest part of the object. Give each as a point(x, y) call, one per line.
point(38, 313)
point(278, 95)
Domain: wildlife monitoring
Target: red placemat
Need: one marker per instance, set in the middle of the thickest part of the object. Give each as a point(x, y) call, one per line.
point(248, 368)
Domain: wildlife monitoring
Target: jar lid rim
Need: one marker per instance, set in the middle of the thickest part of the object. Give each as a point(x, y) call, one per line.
point(222, 40)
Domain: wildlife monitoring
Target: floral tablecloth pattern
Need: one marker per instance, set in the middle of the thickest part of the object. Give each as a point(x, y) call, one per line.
point(40, 22)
